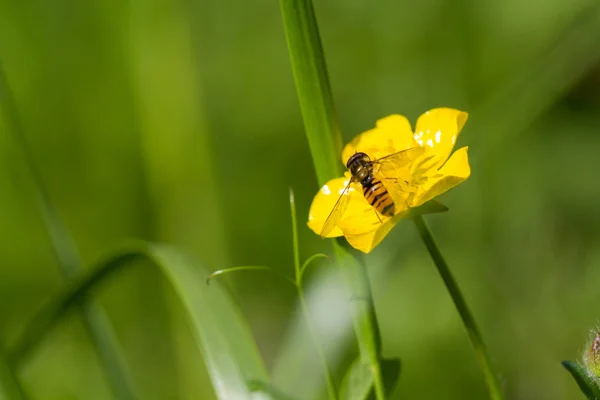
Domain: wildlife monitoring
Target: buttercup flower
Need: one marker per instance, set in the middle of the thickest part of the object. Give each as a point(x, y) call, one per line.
point(419, 176)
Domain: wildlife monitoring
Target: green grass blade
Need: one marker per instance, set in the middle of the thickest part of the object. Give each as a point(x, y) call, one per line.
point(243, 268)
point(223, 337)
point(586, 383)
point(312, 84)
point(95, 320)
point(307, 264)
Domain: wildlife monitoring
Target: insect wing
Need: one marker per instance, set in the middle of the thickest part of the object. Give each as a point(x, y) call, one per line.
point(393, 171)
point(399, 160)
point(337, 211)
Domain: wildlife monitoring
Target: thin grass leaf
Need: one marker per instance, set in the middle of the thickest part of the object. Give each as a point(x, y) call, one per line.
point(248, 268)
point(588, 385)
point(95, 320)
point(312, 84)
point(299, 269)
point(309, 262)
point(229, 351)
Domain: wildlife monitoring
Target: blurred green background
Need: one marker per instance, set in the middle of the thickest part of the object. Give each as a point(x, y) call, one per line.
point(177, 121)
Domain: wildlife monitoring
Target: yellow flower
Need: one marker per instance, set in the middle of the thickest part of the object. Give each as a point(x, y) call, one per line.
point(424, 176)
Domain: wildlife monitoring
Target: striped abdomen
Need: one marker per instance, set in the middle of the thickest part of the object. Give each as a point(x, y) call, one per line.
point(378, 196)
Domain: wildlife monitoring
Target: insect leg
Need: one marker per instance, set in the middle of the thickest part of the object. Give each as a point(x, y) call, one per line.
point(378, 217)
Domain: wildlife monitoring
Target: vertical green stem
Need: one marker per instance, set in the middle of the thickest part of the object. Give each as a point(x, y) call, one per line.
point(331, 389)
point(312, 85)
point(295, 242)
point(481, 352)
point(68, 258)
point(324, 138)
point(364, 317)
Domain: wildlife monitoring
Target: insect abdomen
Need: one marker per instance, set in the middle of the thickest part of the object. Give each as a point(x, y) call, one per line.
point(378, 196)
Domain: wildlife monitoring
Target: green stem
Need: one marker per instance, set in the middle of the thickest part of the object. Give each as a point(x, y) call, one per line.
point(331, 389)
point(481, 352)
point(70, 263)
point(312, 85)
point(295, 242)
point(325, 142)
point(363, 314)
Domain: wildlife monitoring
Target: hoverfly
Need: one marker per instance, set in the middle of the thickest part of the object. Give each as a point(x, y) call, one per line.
point(371, 174)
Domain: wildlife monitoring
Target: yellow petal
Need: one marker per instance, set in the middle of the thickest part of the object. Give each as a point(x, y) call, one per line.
point(358, 218)
point(368, 241)
point(391, 134)
point(395, 172)
point(437, 131)
point(323, 204)
point(453, 172)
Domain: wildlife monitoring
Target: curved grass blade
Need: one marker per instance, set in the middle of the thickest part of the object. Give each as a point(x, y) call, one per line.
point(307, 263)
point(586, 383)
point(226, 271)
point(229, 351)
point(94, 318)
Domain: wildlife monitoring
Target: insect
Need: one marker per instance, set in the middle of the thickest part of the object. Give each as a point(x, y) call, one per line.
point(371, 175)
